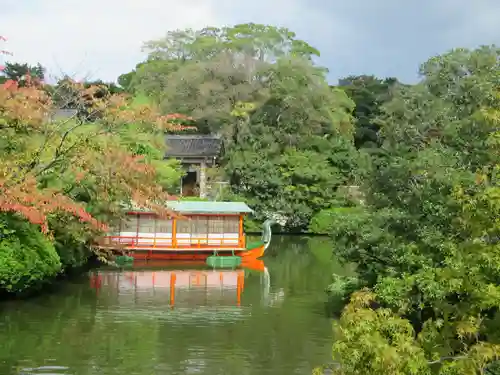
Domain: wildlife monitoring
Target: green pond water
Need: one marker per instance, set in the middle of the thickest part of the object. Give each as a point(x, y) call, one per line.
point(126, 322)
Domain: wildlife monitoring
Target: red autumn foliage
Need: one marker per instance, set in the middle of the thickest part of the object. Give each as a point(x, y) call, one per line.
point(24, 113)
point(35, 204)
point(23, 106)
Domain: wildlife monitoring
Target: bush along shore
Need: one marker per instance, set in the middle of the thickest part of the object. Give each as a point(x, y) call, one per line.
point(30, 261)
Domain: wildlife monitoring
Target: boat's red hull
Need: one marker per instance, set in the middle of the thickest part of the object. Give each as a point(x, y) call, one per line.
point(254, 253)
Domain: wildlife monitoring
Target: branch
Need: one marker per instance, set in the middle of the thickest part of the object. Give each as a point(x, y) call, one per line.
point(450, 358)
point(65, 135)
point(59, 154)
point(48, 136)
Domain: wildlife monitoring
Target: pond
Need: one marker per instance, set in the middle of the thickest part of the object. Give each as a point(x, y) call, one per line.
point(179, 319)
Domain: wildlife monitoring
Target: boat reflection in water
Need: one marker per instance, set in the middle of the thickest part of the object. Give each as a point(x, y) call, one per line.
point(177, 291)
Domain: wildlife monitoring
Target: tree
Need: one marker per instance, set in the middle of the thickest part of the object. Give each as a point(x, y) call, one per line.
point(19, 71)
point(125, 80)
point(426, 244)
point(258, 88)
point(368, 93)
point(261, 42)
point(209, 91)
point(66, 95)
point(248, 44)
point(294, 151)
point(110, 87)
point(70, 177)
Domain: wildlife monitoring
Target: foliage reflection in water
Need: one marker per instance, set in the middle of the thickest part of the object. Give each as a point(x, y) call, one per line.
point(180, 319)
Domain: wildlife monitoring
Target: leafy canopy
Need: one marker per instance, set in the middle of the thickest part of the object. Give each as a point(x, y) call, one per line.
point(426, 243)
point(257, 87)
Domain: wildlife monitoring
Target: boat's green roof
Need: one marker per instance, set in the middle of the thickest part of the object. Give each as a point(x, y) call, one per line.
point(201, 207)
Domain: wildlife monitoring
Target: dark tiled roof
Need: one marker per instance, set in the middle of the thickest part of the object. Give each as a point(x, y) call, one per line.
point(194, 145)
point(63, 114)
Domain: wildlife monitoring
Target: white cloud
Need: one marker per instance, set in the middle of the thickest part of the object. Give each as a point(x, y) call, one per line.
point(467, 23)
point(102, 38)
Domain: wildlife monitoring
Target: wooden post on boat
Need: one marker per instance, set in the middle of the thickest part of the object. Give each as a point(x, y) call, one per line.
point(137, 230)
point(174, 232)
point(240, 233)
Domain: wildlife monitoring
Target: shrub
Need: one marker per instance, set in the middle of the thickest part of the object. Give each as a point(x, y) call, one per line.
point(27, 258)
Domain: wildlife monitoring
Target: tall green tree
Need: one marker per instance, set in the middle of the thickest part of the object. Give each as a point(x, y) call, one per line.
point(241, 44)
point(18, 71)
point(68, 176)
point(291, 154)
point(369, 93)
point(426, 244)
point(258, 88)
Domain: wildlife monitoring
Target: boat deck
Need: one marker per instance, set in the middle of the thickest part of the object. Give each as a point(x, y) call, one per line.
point(174, 249)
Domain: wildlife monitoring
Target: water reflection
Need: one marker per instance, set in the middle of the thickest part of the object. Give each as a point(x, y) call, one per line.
point(180, 291)
point(260, 319)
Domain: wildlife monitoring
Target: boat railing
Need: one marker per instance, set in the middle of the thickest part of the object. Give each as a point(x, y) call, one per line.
point(193, 241)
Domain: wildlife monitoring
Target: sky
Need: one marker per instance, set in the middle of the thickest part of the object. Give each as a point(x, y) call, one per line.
point(101, 39)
